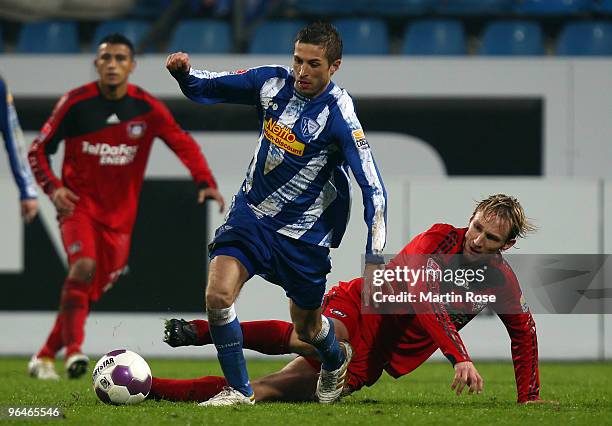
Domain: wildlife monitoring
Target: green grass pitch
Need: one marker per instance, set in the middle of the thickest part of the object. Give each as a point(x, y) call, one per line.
point(584, 392)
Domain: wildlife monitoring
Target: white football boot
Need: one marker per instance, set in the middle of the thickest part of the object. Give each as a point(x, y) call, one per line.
point(228, 396)
point(76, 365)
point(331, 383)
point(42, 368)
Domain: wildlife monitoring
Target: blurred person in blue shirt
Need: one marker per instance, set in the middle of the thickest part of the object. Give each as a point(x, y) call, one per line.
point(17, 154)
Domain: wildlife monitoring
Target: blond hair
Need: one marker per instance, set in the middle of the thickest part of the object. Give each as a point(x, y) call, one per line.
point(508, 209)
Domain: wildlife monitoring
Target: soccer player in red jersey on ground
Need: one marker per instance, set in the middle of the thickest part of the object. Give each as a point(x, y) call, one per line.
point(396, 343)
point(108, 127)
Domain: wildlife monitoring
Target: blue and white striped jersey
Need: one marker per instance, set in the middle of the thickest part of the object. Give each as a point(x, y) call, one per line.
point(297, 182)
point(15, 145)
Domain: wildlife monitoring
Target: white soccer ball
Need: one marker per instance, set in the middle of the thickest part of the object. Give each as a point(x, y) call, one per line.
point(122, 377)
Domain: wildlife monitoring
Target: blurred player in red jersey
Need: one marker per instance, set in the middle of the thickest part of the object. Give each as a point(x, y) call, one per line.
point(394, 343)
point(108, 127)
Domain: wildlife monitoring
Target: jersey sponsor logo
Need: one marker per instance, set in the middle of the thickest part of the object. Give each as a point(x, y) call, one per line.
point(360, 139)
point(136, 129)
point(309, 126)
point(283, 137)
point(111, 155)
point(242, 71)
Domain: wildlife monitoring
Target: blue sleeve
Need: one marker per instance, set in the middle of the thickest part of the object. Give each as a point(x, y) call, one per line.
point(15, 145)
point(237, 87)
point(357, 152)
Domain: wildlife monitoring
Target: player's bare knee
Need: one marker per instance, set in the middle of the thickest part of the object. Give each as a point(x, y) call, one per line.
point(219, 299)
point(83, 269)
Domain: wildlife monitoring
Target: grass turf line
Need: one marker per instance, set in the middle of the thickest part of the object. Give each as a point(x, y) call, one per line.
point(584, 391)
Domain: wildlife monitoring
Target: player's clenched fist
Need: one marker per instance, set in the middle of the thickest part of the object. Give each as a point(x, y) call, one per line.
point(178, 63)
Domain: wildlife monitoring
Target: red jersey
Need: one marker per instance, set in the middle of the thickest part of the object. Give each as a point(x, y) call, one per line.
point(400, 343)
point(107, 146)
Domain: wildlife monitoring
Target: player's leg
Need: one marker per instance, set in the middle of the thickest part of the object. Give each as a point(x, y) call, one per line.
point(227, 274)
point(302, 269)
point(200, 389)
point(79, 243)
point(42, 365)
point(295, 382)
point(269, 337)
point(75, 309)
point(319, 331)
point(111, 252)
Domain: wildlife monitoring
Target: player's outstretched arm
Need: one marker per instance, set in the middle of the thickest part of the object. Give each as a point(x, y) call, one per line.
point(467, 375)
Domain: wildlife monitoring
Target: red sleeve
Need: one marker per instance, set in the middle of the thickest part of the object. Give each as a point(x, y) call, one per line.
point(45, 144)
point(523, 337)
point(184, 146)
point(433, 316)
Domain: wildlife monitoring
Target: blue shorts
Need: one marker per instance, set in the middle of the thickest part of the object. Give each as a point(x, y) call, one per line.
point(299, 268)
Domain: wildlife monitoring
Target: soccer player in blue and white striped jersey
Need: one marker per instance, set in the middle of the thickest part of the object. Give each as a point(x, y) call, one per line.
point(17, 154)
point(294, 203)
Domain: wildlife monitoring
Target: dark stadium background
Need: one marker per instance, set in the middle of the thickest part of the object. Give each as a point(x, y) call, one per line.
point(167, 269)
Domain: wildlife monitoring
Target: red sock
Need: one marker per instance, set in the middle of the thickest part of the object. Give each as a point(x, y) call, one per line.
point(54, 342)
point(202, 331)
point(200, 389)
point(270, 337)
point(74, 309)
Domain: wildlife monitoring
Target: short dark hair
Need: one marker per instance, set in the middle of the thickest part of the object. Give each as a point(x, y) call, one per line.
point(116, 38)
point(325, 35)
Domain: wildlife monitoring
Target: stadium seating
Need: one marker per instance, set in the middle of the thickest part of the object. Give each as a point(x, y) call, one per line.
point(48, 37)
point(505, 38)
point(275, 37)
point(553, 7)
point(148, 9)
point(604, 6)
point(201, 36)
point(434, 37)
point(398, 7)
point(363, 36)
point(328, 7)
point(134, 30)
point(474, 7)
point(590, 38)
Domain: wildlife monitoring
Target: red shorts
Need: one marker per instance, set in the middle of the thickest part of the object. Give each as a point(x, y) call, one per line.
point(83, 237)
point(366, 367)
